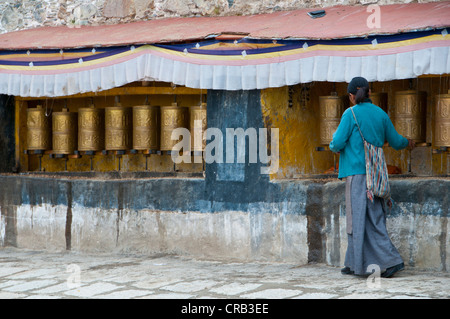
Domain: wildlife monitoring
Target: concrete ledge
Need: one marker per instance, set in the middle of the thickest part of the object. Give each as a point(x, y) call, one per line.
point(298, 221)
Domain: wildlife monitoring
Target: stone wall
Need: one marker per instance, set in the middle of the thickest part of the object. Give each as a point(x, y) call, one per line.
point(24, 14)
point(296, 221)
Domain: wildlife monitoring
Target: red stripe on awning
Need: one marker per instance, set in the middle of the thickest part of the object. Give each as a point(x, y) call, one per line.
point(339, 22)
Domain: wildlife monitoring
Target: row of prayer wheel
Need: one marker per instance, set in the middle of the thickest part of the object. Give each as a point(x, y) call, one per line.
point(410, 117)
point(116, 128)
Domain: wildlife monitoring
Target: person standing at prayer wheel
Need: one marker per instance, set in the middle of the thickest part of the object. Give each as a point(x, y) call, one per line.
point(369, 245)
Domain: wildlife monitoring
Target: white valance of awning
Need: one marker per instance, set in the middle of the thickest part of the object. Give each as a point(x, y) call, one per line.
point(213, 62)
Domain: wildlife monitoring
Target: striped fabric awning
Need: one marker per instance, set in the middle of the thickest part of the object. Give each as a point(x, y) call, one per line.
point(225, 64)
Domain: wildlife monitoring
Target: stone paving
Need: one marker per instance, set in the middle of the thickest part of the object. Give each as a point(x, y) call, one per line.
point(28, 274)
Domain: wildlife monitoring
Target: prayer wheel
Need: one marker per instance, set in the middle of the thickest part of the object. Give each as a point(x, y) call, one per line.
point(410, 114)
point(331, 109)
point(172, 117)
point(64, 130)
point(380, 99)
point(38, 129)
point(197, 126)
point(118, 128)
point(442, 120)
point(145, 127)
point(91, 129)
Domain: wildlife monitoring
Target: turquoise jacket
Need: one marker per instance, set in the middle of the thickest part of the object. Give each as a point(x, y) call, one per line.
point(376, 127)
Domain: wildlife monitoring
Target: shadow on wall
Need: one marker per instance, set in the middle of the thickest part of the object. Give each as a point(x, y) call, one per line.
point(7, 141)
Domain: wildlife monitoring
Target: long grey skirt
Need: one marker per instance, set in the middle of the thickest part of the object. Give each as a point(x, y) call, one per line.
point(368, 240)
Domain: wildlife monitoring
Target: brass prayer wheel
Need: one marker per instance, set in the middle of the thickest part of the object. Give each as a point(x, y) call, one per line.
point(410, 114)
point(442, 120)
point(172, 117)
point(91, 129)
point(146, 127)
point(197, 126)
point(64, 130)
point(118, 128)
point(38, 129)
point(380, 99)
point(331, 109)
